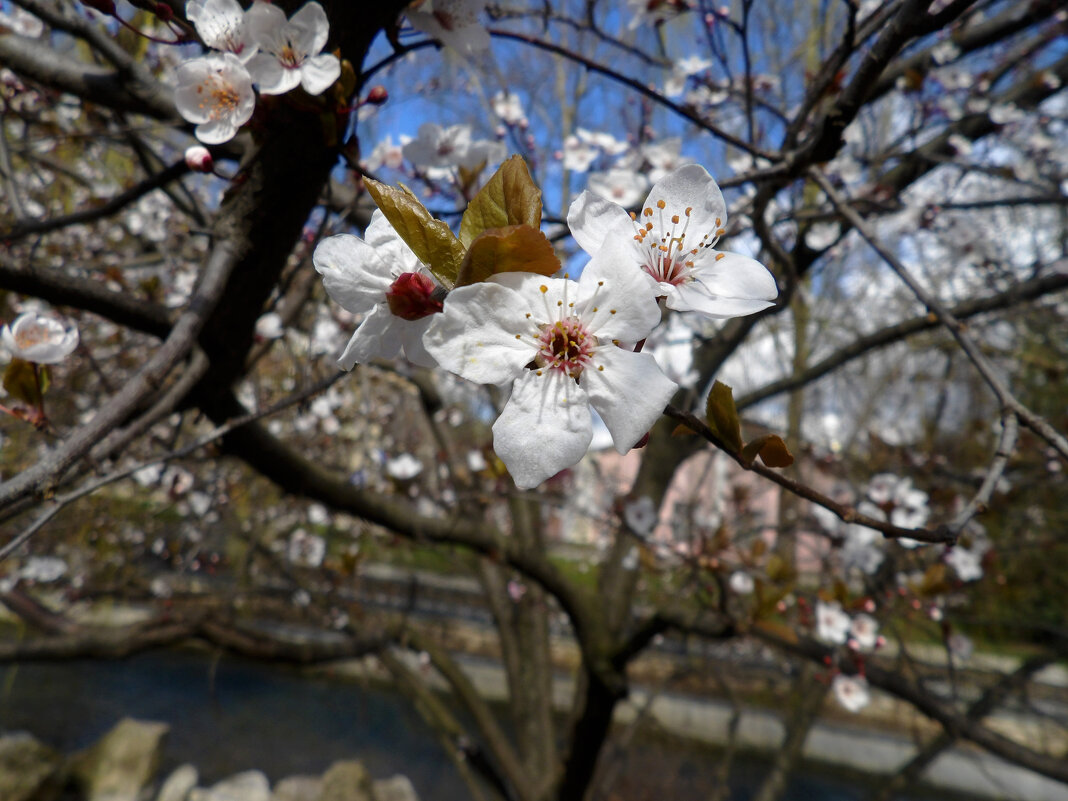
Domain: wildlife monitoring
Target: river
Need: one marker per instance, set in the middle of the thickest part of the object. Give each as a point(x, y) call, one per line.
point(229, 715)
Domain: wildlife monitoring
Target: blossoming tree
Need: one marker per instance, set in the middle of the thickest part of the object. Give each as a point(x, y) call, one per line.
point(327, 282)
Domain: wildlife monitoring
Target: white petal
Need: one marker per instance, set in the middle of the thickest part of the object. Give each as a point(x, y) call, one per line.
point(353, 274)
point(591, 217)
point(268, 74)
point(630, 393)
point(319, 73)
point(374, 339)
point(311, 28)
point(545, 427)
point(411, 335)
point(476, 336)
point(739, 284)
point(618, 298)
point(690, 187)
point(265, 22)
point(215, 132)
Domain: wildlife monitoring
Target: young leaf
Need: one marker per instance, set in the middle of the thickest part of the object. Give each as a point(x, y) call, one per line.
point(20, 381)
point(515, 248)
point(722, 416)
point(432, 241)
point(510, 197)
point(770, 448)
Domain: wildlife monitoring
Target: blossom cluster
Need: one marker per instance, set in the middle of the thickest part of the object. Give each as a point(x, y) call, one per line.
point(564, 346)
point(255, 46)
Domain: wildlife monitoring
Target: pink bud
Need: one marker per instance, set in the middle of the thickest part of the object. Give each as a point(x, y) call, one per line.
point(198, 159)
point(377, 95)
point(411, 297)
point(164, 12)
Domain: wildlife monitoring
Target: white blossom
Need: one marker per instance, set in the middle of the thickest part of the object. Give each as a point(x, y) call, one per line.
point(291, 49)
point(509, 107)
point(454, 23)
point(578, 155)
point(673, 243)
point(39, 338)
point(215, 93)
point(851, 691)
point(222, 25)
point(555, 340)
point(43, 569)
point(641, 515)
point(864, 632)
point(832, 624)
point(304, 549)
point(403, 467)
point(381, 278)
point(621, 186)
point(741, 582)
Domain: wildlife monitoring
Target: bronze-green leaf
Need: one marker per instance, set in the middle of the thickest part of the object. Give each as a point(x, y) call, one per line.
point(770, 448)
point(432, 241)
point(515, 248)
point(21, 382)
point(722, 416)
point(510, 197)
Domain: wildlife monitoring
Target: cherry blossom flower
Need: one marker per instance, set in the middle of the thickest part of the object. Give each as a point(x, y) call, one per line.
point(967, 562)
point(832, 624)
point(621, 186)
point(453, 23)
point(437, 146)
point(741, 582)
point(403, 467)
point(222, 25)
point(864, 632)
point(578, 155)
point(215, 93)
point(291, 49)
point(673, 242)
point(38, 338)
point(380, 277)
point(900, 503)
point(509, 108)
point(851, 691)
point(386, 154)
point(555, 339)
point(306, 550)
point(681, 70)
point(603, 140)
point(664, 157)
point(43, 569)
point(641, 515)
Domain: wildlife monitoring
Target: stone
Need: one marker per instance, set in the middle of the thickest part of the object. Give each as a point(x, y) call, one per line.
point(298, 788)
point(122, 762)
point(179, 784)
point(395, 788)
point(29, 769)
point(347, 781)
point(252, 785)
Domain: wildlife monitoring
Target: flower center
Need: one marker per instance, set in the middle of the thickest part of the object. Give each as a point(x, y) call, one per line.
point(669, 256)
point(29, 335)
point(289, 57)
point(411, 297)
point(565, 345)
point(221, 94)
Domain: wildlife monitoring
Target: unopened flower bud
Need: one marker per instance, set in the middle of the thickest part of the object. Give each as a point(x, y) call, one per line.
point(411, 297)
point(377, 95)
point(164, 12)
point(198, 159)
